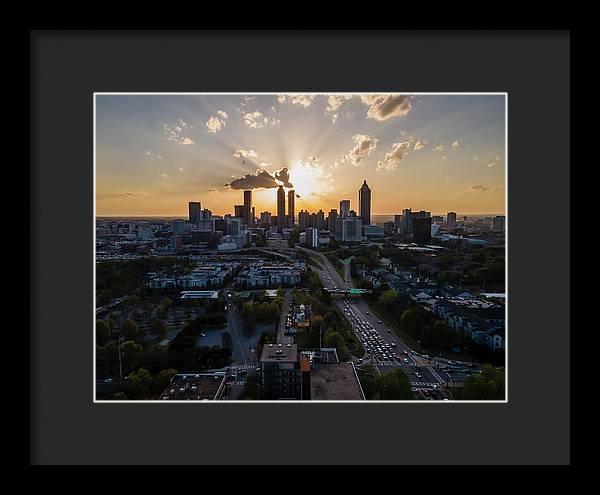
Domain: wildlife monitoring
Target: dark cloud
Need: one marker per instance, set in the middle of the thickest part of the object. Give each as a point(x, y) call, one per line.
point(261, 179)
point(283, 176)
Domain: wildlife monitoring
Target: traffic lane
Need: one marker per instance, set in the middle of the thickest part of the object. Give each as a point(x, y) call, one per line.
point(393, 353)
point(240, 353)
point(388, 337)
point(281, 336)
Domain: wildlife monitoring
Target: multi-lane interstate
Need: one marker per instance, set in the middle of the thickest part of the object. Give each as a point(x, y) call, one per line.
point(383, 347)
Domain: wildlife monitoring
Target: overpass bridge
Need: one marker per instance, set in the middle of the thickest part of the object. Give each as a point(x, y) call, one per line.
point(347, 292)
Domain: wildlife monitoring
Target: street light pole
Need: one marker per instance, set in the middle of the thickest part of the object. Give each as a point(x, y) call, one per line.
point(120, 341)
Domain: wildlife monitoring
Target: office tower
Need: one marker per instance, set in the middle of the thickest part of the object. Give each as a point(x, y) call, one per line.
point(194, 212)
point(364, 203)
point(331, 219)
point(398, 224)
point(238, 211)
point(280, 209)
point(205, 214)
point(265, 219)
point(320, 220)
point(291, 206)
point(348, 229)
point(234, 226)
point(344, 207)
point(422, 230)
point(247, 207)
point(312, 222)
point(221, 225)
point(253, 217)
point(451, 219)
point(407, 221)
point(499, 223)
point(303, 219)
point(312, 237)
point(437, 219)
point(281, 374)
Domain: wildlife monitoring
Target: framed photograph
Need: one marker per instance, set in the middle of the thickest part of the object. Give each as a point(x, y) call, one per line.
point(264, 247)
point(355, 238)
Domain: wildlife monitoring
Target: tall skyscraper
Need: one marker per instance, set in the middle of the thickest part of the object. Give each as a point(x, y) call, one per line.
point(303, 219)
point(320, 220)
point(194, 212)
point(331, 218)
point(247, 207)
point(407, 221)
point(344, 208)
point(238, 211)
point(451, 219)
point(253, 217)
point(291, 206)
point(364, 203)
point(280, 209)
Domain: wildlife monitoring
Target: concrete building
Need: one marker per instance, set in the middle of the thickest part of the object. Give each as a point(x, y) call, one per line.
point(194, 212)
point(344, 207)
point(422, 230)
point(499, 223)
point(372, 231)
point(312, 237)
point(348, 229)
point(282, 375)
point(451, 219)
point(331, 218)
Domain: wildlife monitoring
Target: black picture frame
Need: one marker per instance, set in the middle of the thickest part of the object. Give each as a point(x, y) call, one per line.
point(67, 67)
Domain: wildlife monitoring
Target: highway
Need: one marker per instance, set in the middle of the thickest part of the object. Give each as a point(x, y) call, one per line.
point(381, 342)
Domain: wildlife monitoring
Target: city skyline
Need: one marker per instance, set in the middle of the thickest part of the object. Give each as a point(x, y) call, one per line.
point(155, 153)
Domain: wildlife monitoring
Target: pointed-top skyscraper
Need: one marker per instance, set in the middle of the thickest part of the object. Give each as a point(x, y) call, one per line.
point(364, 203)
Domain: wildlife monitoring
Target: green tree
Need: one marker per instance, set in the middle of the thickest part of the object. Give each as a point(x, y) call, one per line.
point(131, 352)
point(160, 328)
point(102, 332)
point(163, 379)
point(251, 387)
point(130, 330)
point(139, 383)
point(120, 396)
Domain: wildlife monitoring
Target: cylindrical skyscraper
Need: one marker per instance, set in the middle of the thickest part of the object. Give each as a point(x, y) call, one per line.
point(364, 203)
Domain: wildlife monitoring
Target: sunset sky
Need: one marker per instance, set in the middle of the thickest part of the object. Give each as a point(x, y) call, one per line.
point(440, 153)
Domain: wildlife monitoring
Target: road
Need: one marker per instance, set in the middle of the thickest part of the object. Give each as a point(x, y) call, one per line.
point(381, 342)
point(241, 347)
point(282, 338)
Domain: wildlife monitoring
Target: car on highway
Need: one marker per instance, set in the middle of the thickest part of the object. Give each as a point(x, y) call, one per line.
point(405, 360)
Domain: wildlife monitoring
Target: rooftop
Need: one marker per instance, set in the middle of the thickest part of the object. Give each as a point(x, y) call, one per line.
point(193, 387)
point(334, 382)
point(276, 353)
